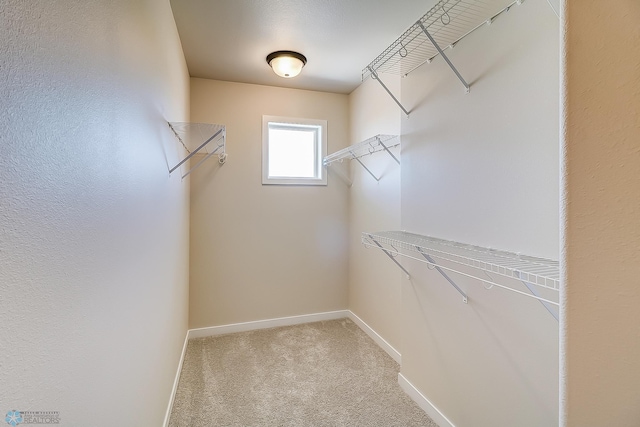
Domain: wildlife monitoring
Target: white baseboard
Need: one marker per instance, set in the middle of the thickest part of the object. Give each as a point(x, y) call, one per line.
point(423, 402)
point(265, 324)
point(395, 354)
point(175, 381)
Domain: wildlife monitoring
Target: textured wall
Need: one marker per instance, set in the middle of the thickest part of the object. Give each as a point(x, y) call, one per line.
point(93, 231)
point(374, 285)
point(261, 252)
point(482, 168)
point(601, 211)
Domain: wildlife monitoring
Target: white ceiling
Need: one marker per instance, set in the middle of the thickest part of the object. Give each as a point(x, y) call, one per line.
point(230, 39)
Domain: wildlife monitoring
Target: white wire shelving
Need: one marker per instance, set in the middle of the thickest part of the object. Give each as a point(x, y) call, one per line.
point(484, 262)
point(364, 148)
point(202, 139)
point(441, 28)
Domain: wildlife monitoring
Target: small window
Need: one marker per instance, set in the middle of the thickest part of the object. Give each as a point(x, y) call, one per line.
point(292, 151)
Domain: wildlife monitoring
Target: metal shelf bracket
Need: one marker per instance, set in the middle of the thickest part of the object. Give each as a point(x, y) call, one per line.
point(365, 168)
point(190, 134)
point(387, 149)
point(375, 76)
point(535, 293)
point(445, 275)
point(391, 257)
point(342, 175)
point(444, 56)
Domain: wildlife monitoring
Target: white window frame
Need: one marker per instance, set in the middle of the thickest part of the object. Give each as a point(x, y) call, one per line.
point(321, 151)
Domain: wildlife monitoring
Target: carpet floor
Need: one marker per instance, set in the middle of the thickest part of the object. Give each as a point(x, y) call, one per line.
point(318, 374)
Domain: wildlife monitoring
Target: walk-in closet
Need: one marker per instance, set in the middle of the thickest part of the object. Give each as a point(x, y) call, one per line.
point(317, 213)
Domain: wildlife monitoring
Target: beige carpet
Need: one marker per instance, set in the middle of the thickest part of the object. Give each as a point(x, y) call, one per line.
point(318, 374)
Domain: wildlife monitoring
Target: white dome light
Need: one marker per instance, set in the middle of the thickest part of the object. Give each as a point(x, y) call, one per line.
point(286, 63)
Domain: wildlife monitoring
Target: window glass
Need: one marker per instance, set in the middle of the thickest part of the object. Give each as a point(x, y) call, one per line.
point(292, 151)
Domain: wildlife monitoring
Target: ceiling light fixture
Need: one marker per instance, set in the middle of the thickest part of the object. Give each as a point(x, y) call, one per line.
point(286, 63)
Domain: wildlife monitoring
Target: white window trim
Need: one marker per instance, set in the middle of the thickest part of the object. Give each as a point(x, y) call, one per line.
point(322, 146)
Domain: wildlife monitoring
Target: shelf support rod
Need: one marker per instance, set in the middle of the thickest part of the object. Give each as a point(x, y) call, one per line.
point(533, 291)
point(215, 135)
point(201, 162)
point(340, 173)
point(441, 52)
point(388, 151)
point(445, 275)
point(366, 168)
point(389, 255)
point(375, 77)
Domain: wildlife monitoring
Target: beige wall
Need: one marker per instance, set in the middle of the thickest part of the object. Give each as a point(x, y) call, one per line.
point(601, 211)
point(261, 252)
point(374, 284)
point(94, 231)
point(482, 168)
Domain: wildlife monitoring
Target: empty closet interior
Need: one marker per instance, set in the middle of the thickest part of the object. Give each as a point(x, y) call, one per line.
point(439, 224)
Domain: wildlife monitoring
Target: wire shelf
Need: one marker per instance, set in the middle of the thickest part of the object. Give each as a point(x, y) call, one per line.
point(364, 148)
point(204, 139)
point(448, 22)
point(538, 271)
